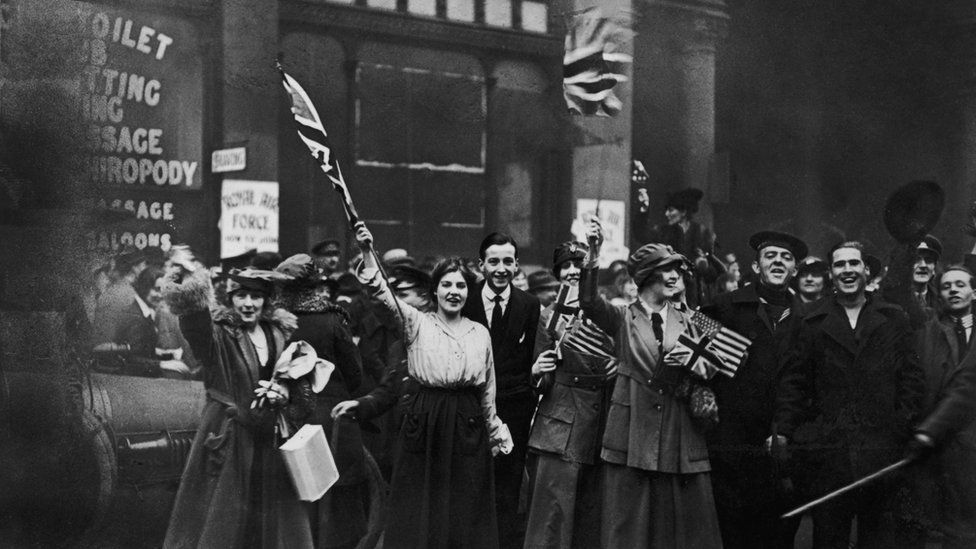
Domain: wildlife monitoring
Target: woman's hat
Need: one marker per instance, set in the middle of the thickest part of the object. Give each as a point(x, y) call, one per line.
point(685, 199)
point(254, 279)
point(649, 257)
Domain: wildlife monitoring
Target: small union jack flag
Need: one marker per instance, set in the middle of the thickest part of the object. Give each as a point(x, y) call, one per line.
point(728, 346)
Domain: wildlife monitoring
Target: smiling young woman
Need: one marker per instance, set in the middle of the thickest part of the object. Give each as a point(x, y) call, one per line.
point(441, 493)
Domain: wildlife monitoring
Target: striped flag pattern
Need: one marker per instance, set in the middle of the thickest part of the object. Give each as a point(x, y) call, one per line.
point(728, 346)
point(592, 66)
point(313, 134)
point(576, 332)
point(692, 352)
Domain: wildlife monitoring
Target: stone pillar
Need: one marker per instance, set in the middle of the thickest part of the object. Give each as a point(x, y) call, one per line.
point(674, 94)
point(250, 88)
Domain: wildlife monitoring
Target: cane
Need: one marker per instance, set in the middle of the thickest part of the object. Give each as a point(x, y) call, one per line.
point(856, 484)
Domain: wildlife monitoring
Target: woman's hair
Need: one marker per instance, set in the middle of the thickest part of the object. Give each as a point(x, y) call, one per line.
point(445, 267)
point(146, 280)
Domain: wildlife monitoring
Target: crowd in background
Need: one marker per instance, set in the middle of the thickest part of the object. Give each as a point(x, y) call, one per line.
point(502, 417)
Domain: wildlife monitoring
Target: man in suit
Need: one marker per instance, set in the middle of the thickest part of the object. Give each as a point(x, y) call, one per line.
point(748, 487)
point(512, 317)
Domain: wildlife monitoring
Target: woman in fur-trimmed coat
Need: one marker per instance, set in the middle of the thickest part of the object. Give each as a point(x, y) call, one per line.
point(340, 516)
point(235, 491)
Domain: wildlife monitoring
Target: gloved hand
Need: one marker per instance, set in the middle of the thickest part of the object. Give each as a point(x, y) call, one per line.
point(919, 447)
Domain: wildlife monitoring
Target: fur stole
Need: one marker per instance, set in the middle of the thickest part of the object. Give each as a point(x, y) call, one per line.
point(194, 293)
point(307, 300)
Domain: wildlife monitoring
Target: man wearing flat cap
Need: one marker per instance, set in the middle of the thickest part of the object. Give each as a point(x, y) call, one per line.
point(326, 255)
point(543, 286)
point(811, 279)
point(575, 382)
point(748, 492)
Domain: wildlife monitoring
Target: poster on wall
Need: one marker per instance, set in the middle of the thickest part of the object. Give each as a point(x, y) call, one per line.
point(613, 216)
point(248, 217)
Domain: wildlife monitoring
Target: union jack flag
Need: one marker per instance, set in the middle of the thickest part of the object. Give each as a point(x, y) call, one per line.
point(572, 331)
point(691, 351)
point(592, 64)
point(313, 134)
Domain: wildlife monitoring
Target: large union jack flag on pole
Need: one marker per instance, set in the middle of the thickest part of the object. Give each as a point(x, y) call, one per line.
point(593, 64)
point(313, 134)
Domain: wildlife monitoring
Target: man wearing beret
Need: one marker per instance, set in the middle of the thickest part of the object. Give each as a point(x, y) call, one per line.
point(748, 490)
point(850, 392)
point(575, 382)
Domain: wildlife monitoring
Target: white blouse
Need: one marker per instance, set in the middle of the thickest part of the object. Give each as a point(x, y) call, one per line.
point(439, 355)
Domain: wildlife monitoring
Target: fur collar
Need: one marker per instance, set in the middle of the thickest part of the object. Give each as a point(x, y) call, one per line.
point(278, 318)
point(307, 300)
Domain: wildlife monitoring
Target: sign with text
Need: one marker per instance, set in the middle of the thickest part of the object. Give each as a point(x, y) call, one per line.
point(228, 160)
point(613, 217)
point(248, 216)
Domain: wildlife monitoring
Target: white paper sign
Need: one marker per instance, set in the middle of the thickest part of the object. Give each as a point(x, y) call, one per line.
point(613, 218)
point(228, 160)
point(248, 217)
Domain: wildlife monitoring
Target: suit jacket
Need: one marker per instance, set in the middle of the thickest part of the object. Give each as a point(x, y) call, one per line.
point(649, 426)
point(850, 396)
point(514, 353)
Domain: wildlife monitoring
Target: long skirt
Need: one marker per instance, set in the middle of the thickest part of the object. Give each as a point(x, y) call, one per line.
point(658, 510)
point(565, 504)
point(442, 494)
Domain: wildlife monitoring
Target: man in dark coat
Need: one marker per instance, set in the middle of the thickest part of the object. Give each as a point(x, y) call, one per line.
point(947, 480)
point(850, 392)
point(512, 317)
point(747, 484)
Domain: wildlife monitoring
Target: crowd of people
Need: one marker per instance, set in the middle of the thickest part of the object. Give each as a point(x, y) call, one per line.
point(558, 408)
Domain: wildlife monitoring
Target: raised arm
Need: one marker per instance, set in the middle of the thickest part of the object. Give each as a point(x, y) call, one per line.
point(604, 315)
point(369, 274)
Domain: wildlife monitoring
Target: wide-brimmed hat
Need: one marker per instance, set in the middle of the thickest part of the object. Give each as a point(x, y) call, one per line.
point(913, 209)
point(685, 199)
point(763, 239)
point(254, 279)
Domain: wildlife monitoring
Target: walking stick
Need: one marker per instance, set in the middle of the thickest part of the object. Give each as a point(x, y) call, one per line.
point(856, 484)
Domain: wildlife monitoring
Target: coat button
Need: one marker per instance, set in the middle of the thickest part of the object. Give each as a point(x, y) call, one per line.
point(471, 421)
point(660, 391)
point(650, 381)
point(596, 406)
point(658, 407)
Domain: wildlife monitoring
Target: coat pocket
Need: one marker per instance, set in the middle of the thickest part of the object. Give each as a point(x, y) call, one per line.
point(552, 428)
point(414, 432)
point(470, 433)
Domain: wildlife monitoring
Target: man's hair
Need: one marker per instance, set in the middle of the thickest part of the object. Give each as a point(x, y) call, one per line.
point(497, 239)
point(146, 280)
point(961, 268)
point(845, 244)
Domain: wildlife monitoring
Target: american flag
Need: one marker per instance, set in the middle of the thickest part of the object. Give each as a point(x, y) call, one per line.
point(729, 347)
point(592, 66)
point(313, 134)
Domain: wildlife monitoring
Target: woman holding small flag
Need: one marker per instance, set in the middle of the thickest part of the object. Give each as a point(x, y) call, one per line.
point(564, 444)
point(657, 489)
point(442, 490)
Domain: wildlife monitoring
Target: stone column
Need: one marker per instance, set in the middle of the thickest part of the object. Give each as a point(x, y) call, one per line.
point(674, 93)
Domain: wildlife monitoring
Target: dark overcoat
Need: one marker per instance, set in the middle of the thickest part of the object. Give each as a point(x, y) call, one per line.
point(849, 397)
point(946, 482)
point(234, 491)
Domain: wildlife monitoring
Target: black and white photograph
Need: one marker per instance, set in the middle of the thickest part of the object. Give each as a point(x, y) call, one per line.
point(489, 274)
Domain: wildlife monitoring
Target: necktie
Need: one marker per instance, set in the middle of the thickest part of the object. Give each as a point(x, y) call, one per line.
point(496, 318)
point(961, 337)
point(657, 323)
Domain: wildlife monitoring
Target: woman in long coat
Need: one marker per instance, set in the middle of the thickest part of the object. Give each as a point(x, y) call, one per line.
point(340, 516)
point(658, 492)
point(235, 491)
point(441, 493)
